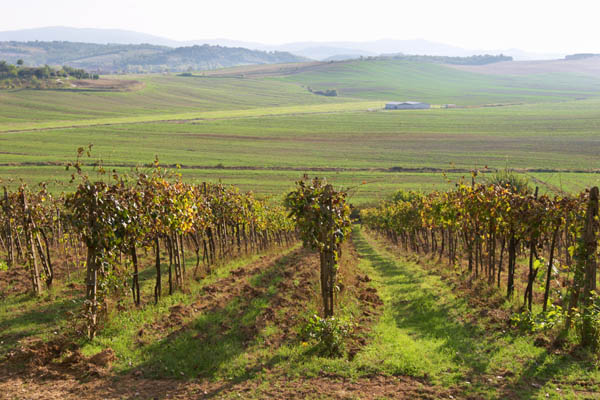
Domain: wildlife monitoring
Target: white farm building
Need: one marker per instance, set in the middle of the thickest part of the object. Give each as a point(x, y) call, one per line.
point(406, 105)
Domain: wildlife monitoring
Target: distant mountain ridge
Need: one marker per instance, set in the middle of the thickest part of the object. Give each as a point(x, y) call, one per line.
point(117, 58)
point(85, 35)
point(313, 50)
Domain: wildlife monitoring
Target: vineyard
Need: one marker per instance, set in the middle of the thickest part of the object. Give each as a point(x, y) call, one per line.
point(225, 271)
point(105, 224)
point(484, 230)
point(188, 282)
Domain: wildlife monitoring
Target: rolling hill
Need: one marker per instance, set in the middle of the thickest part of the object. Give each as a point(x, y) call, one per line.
point(111, 58)
point(260, 127)
point(88, 35)
point(313, 50)
point(166, 97)
point(391, 79)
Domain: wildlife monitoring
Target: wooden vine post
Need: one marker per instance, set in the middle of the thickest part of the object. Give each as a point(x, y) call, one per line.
point(590, 264)
point(31, 251)
point(8, 229)
point(91, 280)
point(323, 218)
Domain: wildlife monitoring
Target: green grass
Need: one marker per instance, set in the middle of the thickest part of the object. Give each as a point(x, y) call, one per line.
point(25, 316)
point(198, 115)
point(168, 95)
point(439, 84)
point(364, 187)
point(175, 97)
point(534, 136)
point(275, 125)
point(420, 334)
point(121, 331)
point(558, 136)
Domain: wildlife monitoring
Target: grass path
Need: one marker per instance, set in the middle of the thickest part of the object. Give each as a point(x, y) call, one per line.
point(425, 331)
point(189, 116)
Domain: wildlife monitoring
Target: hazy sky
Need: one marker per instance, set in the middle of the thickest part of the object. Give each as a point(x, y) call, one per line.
point(535, 25)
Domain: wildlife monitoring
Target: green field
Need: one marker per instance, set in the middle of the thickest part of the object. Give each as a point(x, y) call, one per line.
point(164, 95)
point(439, 84)
point(264, 132)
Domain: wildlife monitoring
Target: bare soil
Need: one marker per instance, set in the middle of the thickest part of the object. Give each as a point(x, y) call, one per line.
point(111, 85)
point(588, 66)
point(131, 387)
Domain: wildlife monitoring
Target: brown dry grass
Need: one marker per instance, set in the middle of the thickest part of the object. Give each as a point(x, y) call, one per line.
point(110, 85)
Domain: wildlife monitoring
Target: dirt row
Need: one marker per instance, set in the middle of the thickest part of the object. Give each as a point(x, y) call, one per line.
point(376, 387)
point(296, 278)
point(37, 359)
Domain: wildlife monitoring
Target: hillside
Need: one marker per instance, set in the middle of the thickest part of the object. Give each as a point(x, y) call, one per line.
point(391, 79)
point(261, 128)
point(115, 58)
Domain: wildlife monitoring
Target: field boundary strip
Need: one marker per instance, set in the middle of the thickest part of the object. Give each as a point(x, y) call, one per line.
point(203, 115)
point(415, 169)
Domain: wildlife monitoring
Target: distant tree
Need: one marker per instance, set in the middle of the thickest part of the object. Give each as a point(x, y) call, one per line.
point(20, 62)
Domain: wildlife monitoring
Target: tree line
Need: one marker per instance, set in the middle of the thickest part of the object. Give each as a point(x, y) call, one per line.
point(19, 71)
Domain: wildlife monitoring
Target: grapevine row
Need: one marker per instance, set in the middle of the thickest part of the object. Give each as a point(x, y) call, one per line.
point(105, 224)
point(488, 228)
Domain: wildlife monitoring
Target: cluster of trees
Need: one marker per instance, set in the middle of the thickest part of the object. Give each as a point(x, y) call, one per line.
point(326, 92)
point(107, 223)
point(490, 227)
point(581, 56)
point(90, 56)
point(19, 71)
point(205, 57)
